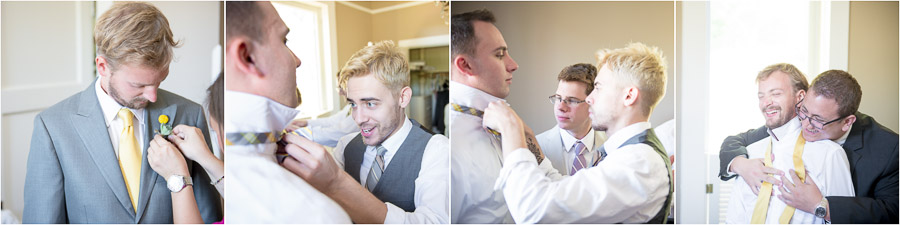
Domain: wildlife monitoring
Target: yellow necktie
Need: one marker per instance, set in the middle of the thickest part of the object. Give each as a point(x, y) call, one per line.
point(765, 192)
point(130, 157)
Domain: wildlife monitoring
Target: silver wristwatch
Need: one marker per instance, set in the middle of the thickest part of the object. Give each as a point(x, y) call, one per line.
point(176, 182)
point(821, 209)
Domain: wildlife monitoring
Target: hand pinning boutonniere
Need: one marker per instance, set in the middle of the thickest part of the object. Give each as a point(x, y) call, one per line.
point(164, 128)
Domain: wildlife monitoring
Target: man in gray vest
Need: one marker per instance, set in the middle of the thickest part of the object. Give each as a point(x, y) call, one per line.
point(631, 184)
point(572, 144)
point(394, 171)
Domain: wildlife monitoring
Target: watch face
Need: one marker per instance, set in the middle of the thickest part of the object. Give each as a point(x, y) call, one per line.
point(820, 212)
point(175, 183)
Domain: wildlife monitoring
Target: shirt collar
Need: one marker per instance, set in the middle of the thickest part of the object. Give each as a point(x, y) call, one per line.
point(784, 130)
point(393, 143)
point(110, 107)
point(843, 138)
point(569, 140)
point(621, 136)
point(468, 96)
point(254, 113)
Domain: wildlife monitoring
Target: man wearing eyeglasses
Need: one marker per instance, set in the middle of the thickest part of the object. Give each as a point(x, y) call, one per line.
point(572, 144)
point(795, 159)
point(830, 112)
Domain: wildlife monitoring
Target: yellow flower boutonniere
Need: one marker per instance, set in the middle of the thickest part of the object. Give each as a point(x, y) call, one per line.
point(164, 128)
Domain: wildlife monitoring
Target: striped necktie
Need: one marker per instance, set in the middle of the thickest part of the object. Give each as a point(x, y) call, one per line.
point(580, 162)
point(249, 138)
point(376, 170)
point(474, 112)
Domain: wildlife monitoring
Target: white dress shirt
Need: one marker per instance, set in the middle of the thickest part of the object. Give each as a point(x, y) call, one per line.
point(569, 141)
point(329, 130)
point(825, 160)
point(432, 190)
point(114, 124)
point(476, 160)
point(629, 186)
point(259, 189)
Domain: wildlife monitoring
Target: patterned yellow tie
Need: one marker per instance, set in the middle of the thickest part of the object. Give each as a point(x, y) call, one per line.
point(801, 173)
point(130, 157)
point(765, 192)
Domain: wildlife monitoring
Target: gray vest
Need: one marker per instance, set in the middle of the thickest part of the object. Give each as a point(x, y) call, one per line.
point(398, 182)
point(648, 137)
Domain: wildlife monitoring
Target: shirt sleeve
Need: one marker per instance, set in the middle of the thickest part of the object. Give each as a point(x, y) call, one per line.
point(839, 182)
point(432, 194)
point(734, 146)
point(328, 131)
point(625, 188)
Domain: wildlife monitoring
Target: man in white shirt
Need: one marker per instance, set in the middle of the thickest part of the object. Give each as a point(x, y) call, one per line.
point(259, 100)
point(570, 145)
point(481, 73)
point(632, 184)
point(392, 170)
point(781, 88)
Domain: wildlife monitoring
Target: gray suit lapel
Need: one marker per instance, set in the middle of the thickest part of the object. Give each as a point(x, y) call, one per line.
point(91, 127)
point(148, 175)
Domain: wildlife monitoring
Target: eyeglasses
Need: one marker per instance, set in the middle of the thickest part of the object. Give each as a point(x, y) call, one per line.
point(803, 114)
point(571, 102)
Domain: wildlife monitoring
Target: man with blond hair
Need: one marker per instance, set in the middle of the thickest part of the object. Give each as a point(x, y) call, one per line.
point(87, 161)
point(631, 184)
point(394, 171)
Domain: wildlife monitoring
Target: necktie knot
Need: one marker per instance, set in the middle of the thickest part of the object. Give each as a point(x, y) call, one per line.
point(380, 150)
point(579, 148)
point(125, 115)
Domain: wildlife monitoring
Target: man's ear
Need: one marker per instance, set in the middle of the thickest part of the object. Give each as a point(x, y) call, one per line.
point(461, 62)
point(846, 122)
point(103, 67)
point(631, 96)
point(801, 95)
point(240, 52)
point(405, 96)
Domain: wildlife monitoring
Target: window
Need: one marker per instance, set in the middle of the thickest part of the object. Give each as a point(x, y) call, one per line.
point(310, 40)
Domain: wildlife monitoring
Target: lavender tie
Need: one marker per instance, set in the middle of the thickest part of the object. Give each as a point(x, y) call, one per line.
point(580, 162)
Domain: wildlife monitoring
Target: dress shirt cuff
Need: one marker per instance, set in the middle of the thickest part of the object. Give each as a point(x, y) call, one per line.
point(395, 215)
point(509, 163)
point(728, 169)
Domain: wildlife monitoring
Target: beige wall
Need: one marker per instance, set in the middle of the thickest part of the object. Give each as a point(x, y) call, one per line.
point(414, 22)
point(355, 27)
point(544, 37)
point(353, 31)
point(873, 58)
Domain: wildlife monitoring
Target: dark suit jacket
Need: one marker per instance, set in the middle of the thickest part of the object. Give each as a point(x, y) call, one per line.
point(73, 174)
point(872, 151)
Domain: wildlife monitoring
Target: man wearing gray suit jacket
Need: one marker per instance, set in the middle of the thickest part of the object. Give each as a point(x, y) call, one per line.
point(86, 163)
point(572, 144)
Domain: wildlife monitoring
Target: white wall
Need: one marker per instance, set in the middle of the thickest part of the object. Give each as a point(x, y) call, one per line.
point(48, 54)
point(545, 37)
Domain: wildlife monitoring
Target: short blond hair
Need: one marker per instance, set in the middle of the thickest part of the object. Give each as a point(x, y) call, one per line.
point(384, 60)
point(798, 80)
point(640, 65)
point(134, 33)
